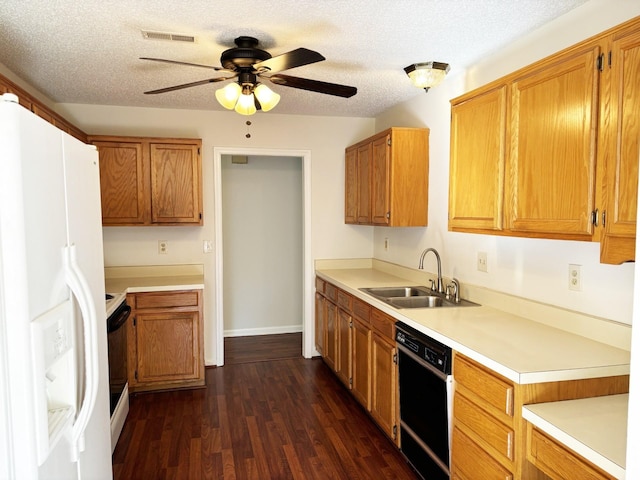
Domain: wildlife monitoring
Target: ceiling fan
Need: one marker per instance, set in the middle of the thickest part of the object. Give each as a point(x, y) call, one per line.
point(248, 64)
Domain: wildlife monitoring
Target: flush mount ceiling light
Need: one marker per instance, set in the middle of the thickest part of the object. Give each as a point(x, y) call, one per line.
point(428, 74)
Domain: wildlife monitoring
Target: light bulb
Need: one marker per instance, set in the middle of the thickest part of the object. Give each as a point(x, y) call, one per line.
point(228, 96)
point(246, 104)
point(267, 97)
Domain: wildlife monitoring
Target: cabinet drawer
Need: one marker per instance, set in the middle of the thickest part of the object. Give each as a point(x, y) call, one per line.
point(383, 323)
point(499, 436)
point(494, 391)
point(320, 285)
point(344, 300)
point(187, 298)
point(361, 310)
point(557, 461)
point(470, 461)
point(331, 292)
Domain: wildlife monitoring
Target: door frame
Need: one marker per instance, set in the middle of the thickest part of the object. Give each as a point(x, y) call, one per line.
point(307, 260)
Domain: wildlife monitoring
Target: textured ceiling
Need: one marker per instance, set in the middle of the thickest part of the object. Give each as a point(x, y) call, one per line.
point(86, 51)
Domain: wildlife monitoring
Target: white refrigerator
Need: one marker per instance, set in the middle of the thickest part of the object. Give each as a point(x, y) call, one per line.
point(54, 392)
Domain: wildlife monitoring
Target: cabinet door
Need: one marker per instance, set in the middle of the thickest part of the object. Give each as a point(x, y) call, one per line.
point(351, 186)
point(380, 209)
point(122, 184)
point(320, 323)
point(552, 155)
point(361, 362)
point(343, 364)
point(168, 346)
point(364, 183)
point(384, 384)
point(176, 184)
point(476, 178)
point(331, 347)
point(621, 156)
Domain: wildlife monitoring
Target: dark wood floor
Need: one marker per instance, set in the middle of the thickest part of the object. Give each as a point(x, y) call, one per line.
point(261, 348)
point(266, 419)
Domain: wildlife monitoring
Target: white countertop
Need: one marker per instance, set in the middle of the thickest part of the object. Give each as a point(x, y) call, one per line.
point(154, 278)
point(522, 350)
point(595, 428)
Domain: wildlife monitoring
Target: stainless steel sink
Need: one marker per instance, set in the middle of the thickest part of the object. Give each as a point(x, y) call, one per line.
point(388, 292)
point(414, 297)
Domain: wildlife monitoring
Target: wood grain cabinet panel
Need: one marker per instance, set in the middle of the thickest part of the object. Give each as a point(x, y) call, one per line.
point(495, 392)
point(320, 323)
point(331, 336)
point(165, 340)
point(360, 368)
point(384, 388)
point(176, 187)
point(557, 461)
point(351, 185)
point(478, 155)
point(150, 181)
point(344, 359)
point(122, 183)
point(392, 176)
point(475, 463)
point(621, 140)
point(552, 162)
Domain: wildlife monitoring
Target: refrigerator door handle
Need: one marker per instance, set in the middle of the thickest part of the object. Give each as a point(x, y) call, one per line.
point(80, 289)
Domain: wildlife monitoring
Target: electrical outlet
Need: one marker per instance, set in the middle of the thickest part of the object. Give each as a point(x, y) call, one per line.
point(482, 261)
point(575, 282)
point(207, 246)
point(163, 247)
point(386, 244)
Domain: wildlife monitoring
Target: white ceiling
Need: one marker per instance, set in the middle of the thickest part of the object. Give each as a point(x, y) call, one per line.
point(86, 51)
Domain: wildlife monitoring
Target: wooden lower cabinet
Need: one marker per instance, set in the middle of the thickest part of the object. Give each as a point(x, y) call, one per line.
point(489, 438)
point(557, 461)
point(359, 345)
point(165, 341)
point(384, 385)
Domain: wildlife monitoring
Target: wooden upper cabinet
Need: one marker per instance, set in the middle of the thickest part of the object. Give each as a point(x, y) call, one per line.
point(392, 178)
point(122, 184)
point(621, 148)
point(381, 157)
point(571, 148)
point(351, 186)
point(150, 181)
point(552, 161)
point(478, 151)
point(364, 183)
point(176, 187)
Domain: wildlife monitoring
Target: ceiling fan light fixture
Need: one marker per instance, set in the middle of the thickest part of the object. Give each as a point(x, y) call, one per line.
point(427, 74)
point(246, 104)
point(228, 96)
point(267, 97)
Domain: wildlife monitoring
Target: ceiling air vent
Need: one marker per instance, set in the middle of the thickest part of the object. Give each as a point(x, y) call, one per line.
point(175, 37)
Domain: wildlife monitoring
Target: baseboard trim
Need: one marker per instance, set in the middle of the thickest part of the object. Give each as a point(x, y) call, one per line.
point(247, 332)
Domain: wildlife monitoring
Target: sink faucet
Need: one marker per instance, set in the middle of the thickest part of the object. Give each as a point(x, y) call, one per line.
point(421, 266)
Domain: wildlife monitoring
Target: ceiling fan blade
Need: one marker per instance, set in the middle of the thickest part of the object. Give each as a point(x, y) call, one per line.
point(314, 85)
point(187, 85)
point(175, 62)
point(292, 59)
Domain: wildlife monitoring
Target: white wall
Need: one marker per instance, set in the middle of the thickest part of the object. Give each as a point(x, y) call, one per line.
point(531, 268)
point(262, 210)
point(325, 137)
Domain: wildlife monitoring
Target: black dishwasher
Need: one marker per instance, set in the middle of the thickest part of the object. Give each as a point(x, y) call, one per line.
point(426, 398)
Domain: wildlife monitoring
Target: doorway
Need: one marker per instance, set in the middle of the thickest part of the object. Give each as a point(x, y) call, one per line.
point(306, 292)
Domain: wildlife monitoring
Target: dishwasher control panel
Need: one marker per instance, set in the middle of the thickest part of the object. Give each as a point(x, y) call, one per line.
point(425, 347)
